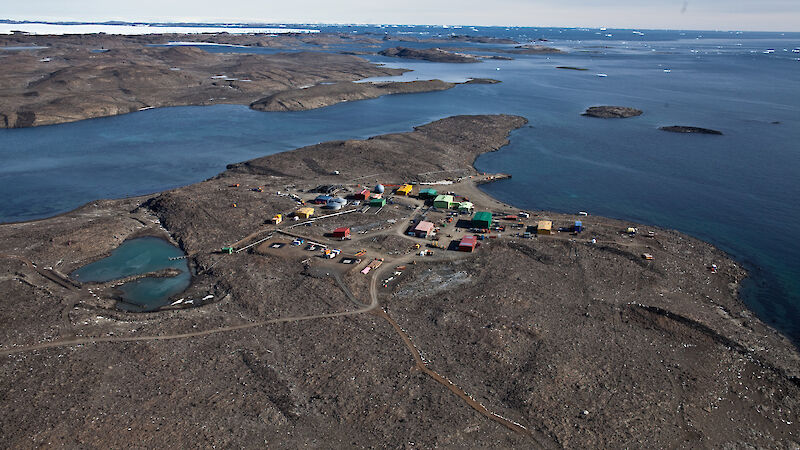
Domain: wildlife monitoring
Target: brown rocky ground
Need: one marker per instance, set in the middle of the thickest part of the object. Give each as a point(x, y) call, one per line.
point(429, 54)
point(518, 50)
point(65, 83)
point(612, 112)
point(583, 345)
point(323, 95)
point(76, 77)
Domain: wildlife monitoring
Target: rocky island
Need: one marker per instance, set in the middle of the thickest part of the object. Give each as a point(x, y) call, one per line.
point(75, 84)
point(601, 337)
point(450, 39)
point(76, 77)
point(612, 112)
point(429, 54)
point(685, 129)
point(534, 49)
point(323, 95)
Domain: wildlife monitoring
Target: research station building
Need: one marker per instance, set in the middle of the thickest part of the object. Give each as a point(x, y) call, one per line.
point(482, 219)
point(424, 229)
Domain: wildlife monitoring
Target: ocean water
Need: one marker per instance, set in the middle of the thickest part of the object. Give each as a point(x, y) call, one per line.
point(738, 191)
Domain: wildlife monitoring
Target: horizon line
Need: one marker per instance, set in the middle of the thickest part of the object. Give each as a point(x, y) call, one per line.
point(116, 22)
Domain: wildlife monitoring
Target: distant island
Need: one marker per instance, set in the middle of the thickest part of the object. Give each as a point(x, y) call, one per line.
point(429, 54)
point(66, 83)
point(685, 129)
point(612, 112)
point(76, 77)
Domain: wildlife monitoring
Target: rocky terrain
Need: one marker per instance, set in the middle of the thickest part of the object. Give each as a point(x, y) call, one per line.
point(548, 342)
point(612, 112)
point(450, 39)
point(518, 50)
point(685, 129)
point(535, 49)
point(482, 39)
point(429, 54)
point(323, 95)
point(69, 85)
point(76, 77)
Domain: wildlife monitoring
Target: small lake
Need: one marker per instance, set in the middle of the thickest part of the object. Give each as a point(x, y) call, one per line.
point(135, 257)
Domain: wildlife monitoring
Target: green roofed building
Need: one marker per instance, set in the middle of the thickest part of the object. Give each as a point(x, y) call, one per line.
point(444, 201)
point(428, 193)
point(377, 202)
point(482, 219)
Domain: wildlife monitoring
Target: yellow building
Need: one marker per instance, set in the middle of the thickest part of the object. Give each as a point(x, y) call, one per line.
point(544, 227)
point(305, 213)
point(277, 218)
point(404, 189)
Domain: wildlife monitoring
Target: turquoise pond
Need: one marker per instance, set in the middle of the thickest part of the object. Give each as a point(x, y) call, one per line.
point(738, 191)
point(135, 257)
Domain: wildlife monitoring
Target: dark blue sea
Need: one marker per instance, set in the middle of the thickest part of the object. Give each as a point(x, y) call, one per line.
point(738, 191)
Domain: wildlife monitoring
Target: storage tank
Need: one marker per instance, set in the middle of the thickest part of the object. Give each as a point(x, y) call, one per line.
point(339, 200)
point(379, 189)
point(333, 205)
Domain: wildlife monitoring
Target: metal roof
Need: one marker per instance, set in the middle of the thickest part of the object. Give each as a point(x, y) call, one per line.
point(424, 226)
point(444, 198)
point(483, 216)
point(468, 240)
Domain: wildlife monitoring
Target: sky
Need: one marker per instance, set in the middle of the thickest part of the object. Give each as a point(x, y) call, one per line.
point(764, 15)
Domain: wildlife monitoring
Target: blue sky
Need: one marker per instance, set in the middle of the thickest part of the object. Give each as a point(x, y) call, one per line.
point(767, 15)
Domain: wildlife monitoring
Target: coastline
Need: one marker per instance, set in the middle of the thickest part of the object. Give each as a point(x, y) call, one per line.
point(53, 84)
point(519, 282)
point(158, 230)
point(134, 75)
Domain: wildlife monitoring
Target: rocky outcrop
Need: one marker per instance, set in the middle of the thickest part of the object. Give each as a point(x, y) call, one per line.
point(612, 112)
point(76, 84)
point(429, 54)
point(481, 81)
point(534, 50)
point(323, 95)
point(685, 129)
point(482, 39)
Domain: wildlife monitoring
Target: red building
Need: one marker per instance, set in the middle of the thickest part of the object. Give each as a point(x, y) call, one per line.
point(363, 195)
point(341, 233)
point(468, 244)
